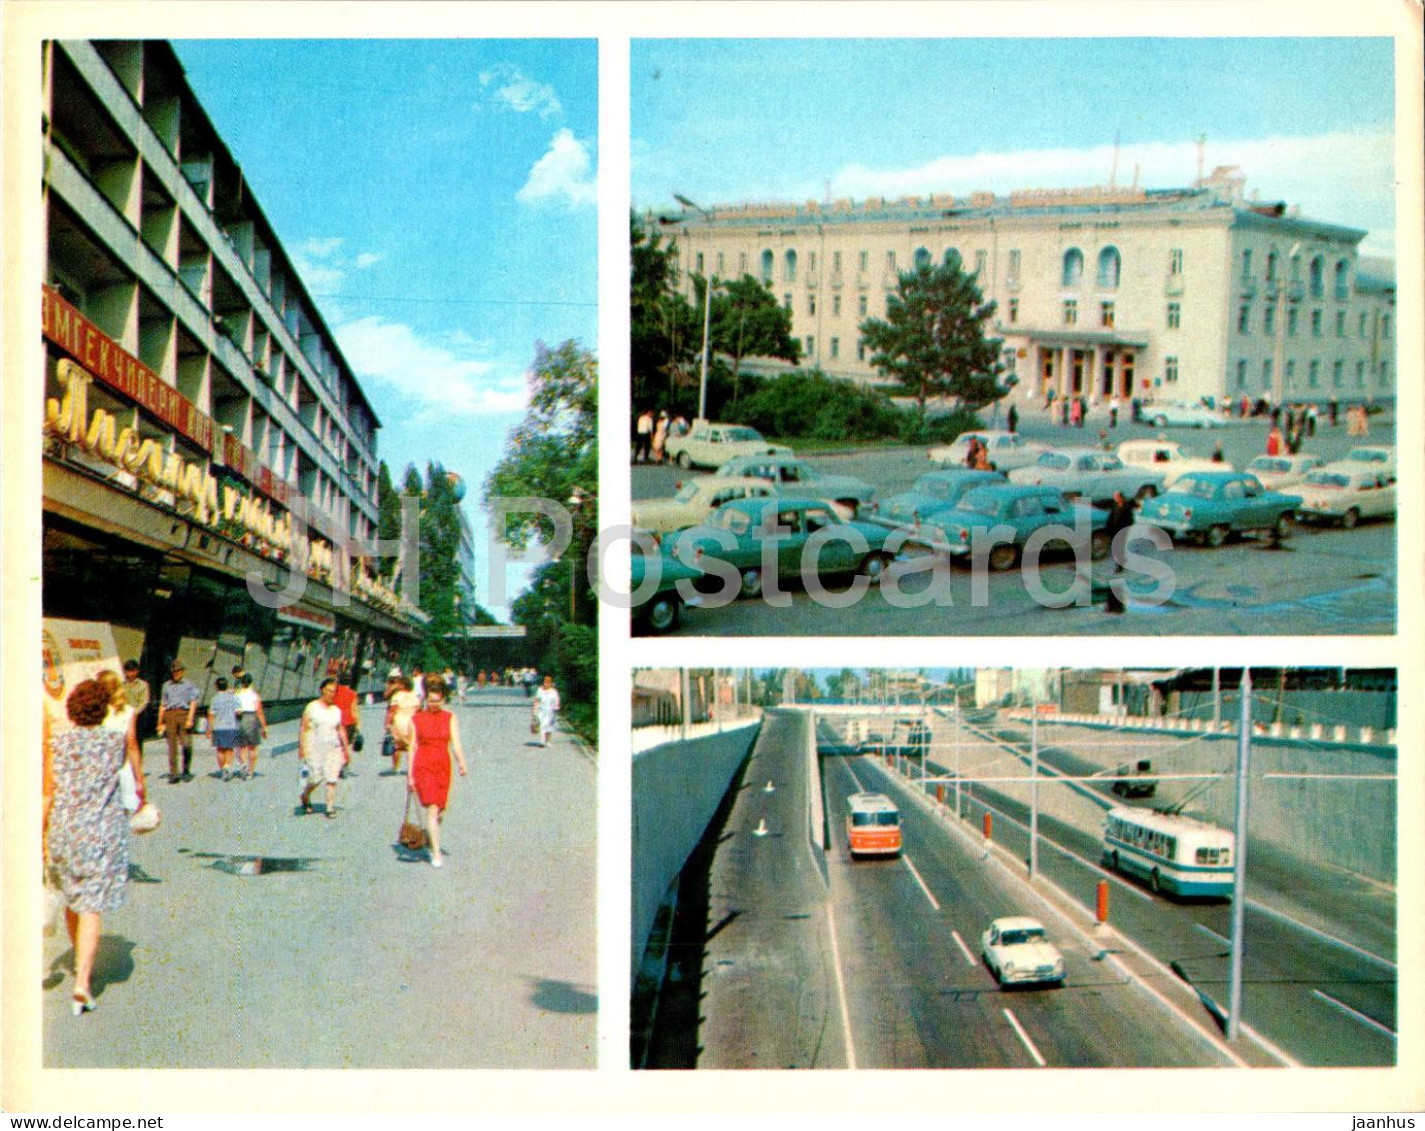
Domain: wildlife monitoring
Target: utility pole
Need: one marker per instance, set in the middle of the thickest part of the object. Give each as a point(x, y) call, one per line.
point(1034, 791)
point(1239, 860)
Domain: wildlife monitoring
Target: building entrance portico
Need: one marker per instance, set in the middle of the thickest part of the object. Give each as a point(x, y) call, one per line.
point(1087, 365)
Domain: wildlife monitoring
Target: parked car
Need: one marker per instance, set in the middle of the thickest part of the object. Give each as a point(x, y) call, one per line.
point(1134, 780)
point(1090, 474)
point(1018, 508)
point(1210, 505)
point(1276, 472)
point(855, 547)
point(1345, 493)
point(1378, 458)
point(661, 610)
point(933, 493)
point(1181, 414)
point(1017, 950)
point(695, 500)
point(793, 476)
point(712, 445)
point(1167, 457)
point(1007, 450)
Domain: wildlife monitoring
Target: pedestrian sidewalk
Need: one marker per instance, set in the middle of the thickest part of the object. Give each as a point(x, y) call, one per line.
point(256, 937)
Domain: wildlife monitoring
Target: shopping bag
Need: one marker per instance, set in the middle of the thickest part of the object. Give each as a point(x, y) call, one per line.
point(411, 836)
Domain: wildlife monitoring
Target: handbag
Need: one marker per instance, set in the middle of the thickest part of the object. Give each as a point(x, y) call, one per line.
point(146, 819)
point(388, 746)
point(411, 836)
point(534, 724)
point(358, 742)
point(128, 789)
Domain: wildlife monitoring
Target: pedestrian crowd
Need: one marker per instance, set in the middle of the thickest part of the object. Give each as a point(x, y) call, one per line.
point(650, 434)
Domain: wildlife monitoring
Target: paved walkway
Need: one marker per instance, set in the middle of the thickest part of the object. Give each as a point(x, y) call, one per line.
point(340, 949)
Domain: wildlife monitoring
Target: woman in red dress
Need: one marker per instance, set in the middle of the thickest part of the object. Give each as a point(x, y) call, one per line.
point(437, 738)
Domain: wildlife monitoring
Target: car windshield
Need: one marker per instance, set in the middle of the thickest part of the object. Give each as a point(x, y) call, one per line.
point(687, 492)
point(1369, 455)
point(981, 503)
point(1023, 935)
point(734, 519)
point(935, 488)
point(741, 434)
point(1269, 463)
point(1328, 479)
point(1054, 461)
point(1198, 488)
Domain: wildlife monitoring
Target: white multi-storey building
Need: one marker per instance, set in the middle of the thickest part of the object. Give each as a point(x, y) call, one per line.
point(1158, 294)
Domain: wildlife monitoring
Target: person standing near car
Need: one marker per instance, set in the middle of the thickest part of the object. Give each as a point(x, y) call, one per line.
point(1120, 518)
point(178, 705)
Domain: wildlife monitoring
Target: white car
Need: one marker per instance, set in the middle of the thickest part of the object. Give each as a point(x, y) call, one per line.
point(1017, 950)
point(1276, 472)
point(1182, 414)
point(694, 501)
point(1376, 458)
point(1007, 450)
point(1165, 456)
point(712, 445)
point(1344, 493)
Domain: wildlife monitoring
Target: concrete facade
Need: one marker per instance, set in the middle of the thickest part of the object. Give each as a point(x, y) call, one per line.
point(1169, 294)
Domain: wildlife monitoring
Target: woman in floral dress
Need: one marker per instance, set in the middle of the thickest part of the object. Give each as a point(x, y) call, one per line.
point(88, 837)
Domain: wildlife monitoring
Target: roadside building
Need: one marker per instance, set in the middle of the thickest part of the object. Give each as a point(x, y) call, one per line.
point(1159, 294)
point(203, 431)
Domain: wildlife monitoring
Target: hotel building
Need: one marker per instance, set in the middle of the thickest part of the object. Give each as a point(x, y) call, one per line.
point(203, 431)
point(1171, 294)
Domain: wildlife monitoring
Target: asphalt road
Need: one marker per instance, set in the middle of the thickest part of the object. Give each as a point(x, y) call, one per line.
point(1321, 992)
point(1323, 581)
point(254, 937)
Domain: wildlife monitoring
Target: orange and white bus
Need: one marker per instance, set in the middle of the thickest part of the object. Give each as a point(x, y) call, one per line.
point(873, 825)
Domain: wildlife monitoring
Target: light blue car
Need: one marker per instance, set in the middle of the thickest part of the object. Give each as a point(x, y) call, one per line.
point(1208, 506)
point(934, 493)
point(792, 476)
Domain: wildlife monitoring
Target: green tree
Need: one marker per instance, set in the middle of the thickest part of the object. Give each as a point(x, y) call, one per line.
point(388, 518)
point(664, 331)
point(747, 321)
point(933, 340)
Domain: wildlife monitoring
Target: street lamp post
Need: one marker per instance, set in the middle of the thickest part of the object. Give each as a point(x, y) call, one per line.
point(707, 317)
point(575, 501)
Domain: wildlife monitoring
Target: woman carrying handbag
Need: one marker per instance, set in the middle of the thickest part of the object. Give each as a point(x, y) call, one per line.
point(437, 739)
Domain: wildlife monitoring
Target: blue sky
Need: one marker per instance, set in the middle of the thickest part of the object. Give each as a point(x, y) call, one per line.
point(438, 198)
point(1308, 120)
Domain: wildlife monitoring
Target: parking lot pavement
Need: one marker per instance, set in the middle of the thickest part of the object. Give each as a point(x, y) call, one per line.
point(255, 937)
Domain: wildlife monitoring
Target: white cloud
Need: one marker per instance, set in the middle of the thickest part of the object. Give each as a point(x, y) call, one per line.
point(322, 248)
point(564, 173)
point(369, 259)
point(436, 379)
point(518, 92)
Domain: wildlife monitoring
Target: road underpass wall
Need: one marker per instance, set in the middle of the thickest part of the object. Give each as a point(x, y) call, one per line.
point(1345, 821)
point(677, 788)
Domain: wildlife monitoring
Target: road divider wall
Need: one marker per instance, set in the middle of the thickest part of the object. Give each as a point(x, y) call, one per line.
point(677, 787)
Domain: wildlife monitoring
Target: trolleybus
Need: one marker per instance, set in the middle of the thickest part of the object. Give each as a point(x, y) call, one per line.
point(1173, 853)
point(873, 825)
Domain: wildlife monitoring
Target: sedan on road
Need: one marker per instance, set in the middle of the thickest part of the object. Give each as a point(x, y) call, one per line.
point(1345, 494)
point(933, 493)
point(792, 476)
point(1007, 450)
point(1090, 474)
point(736, 533)
point(1020, 511)
point(1165, 457)
point(694, 501)
point(1276, 472)
point(711, 445)
point(1210, 505)
point(661, 609)
point(1181, 414)
point(1018, 951)
point(1379, 458)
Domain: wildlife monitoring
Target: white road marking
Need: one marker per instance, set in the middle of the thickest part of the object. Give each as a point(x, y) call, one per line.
point(1265, 910)
point(1356, 1013)
point(933, 901)
point(969, 958)
point(841, 989)
point(1023, 1036)
point(1214, 934)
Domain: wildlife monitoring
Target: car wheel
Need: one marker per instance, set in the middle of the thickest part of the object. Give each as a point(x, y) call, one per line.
point(1215, 536)
point(1099, 545)
point(685, 461)
point(1147, 491)
point(874, 565)
point(1003, 557)
point(1350, 518)
point(1281, 529)
point(751, 582)
point(663, 613)
point(1113, 861)
point(1160, 422)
